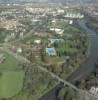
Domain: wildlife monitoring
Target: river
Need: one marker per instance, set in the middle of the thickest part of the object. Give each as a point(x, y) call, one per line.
point(85, 69)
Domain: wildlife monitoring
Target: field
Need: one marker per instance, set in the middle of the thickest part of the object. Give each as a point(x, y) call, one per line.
point(10, 83)
point(11, 76)
point(10, 62)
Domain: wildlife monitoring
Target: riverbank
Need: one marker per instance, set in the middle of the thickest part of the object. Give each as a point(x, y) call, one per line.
point(93, 24)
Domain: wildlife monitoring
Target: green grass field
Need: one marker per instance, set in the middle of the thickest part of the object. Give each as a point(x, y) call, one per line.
point(10, 62)
point(10, 83)
point(11, 76)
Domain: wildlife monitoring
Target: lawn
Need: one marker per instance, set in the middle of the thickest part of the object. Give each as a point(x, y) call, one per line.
point(10, 83)
point(72, 29)
point(10, 62)
point(11, 77)
point(55, 59)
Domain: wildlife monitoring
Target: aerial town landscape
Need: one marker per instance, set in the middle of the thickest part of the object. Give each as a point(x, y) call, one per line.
point(48, 50)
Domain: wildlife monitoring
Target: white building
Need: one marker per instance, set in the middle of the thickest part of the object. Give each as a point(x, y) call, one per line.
point(53, 21)
point(70, 22)
point(57, 30)
point(19, 50)
point(60, 11)
point(37, 41)
point(74, 15)
point(94, 90)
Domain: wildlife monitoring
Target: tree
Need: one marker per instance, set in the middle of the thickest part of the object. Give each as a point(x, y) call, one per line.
point(62, 93)
point(42, 55)
point(67, 93)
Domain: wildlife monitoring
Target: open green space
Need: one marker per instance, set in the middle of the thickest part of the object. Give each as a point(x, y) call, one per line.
point(10, 83)
point(10, 62)
point(71, 29)
point(11, 77)
point(56, 59)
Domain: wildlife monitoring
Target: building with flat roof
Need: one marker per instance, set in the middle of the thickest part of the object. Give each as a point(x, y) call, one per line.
point(55, 40)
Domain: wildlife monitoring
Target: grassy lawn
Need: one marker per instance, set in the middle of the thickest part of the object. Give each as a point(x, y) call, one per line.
point(51, 59)
point(10, 62)
point(10, 83)
point(11, 79)
point(55, 59)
